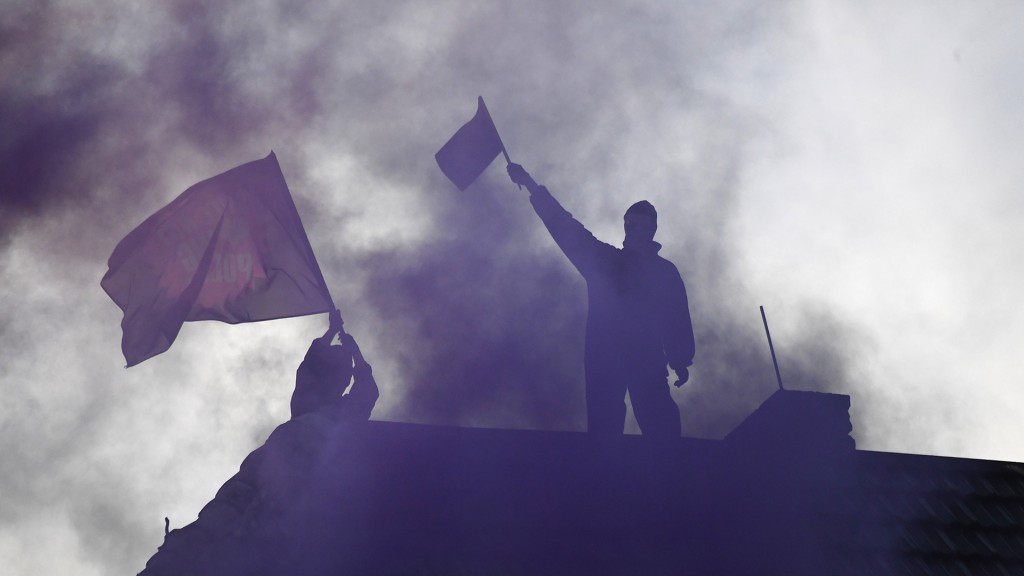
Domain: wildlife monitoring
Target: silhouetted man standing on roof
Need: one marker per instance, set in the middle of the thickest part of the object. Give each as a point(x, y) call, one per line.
point(638, 319)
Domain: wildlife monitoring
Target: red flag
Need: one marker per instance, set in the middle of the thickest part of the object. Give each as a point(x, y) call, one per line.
point(471, 150)
point(231, 248)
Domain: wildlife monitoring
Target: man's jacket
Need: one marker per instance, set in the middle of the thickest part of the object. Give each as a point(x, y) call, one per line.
point(638, 317)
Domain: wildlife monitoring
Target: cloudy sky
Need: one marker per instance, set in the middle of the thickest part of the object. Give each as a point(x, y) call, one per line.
point(852, 166)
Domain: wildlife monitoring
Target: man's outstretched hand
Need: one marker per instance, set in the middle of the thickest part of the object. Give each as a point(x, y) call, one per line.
point(520, 176)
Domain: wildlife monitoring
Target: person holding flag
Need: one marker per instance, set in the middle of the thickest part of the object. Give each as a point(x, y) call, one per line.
point(325, 372)
point(638, 317)
point(232, 248)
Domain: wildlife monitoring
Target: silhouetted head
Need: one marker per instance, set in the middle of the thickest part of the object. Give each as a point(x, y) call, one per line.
point(641, 222)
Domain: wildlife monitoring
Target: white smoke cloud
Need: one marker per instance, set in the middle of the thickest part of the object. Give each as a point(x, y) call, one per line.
point(850, 166)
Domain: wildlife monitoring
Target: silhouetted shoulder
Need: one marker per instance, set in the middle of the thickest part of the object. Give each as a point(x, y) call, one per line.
point(582, 248)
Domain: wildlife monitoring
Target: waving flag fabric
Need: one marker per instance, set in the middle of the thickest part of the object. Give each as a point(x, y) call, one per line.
point(471, 150)
point(231, 248)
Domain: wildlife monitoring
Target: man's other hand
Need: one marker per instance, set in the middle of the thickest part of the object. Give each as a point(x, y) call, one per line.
point(683, 374)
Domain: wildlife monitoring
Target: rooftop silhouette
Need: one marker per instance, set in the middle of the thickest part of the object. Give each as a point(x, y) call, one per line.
point(785, 493)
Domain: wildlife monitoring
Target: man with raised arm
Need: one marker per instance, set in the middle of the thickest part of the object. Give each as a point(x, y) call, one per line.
point(638, 319)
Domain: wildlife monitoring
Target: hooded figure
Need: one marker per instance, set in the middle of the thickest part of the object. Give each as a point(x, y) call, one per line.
point(638, 318)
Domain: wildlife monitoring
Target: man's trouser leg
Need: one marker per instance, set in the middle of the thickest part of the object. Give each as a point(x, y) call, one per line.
point(655, 410)
point(606, 401)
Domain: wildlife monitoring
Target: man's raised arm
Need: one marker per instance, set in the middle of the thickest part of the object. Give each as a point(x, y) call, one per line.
point(578, 244)
point(363, 394)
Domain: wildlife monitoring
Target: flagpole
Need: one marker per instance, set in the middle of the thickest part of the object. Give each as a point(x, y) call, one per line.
point(508, 160)
point(304, 240)
point(505, 153)
point(473, 147)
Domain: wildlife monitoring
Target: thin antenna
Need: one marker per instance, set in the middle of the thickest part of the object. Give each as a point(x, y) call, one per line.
point(772, 348)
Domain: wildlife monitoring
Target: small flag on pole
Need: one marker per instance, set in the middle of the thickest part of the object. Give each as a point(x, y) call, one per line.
point(230, 248)
point(471, 150)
